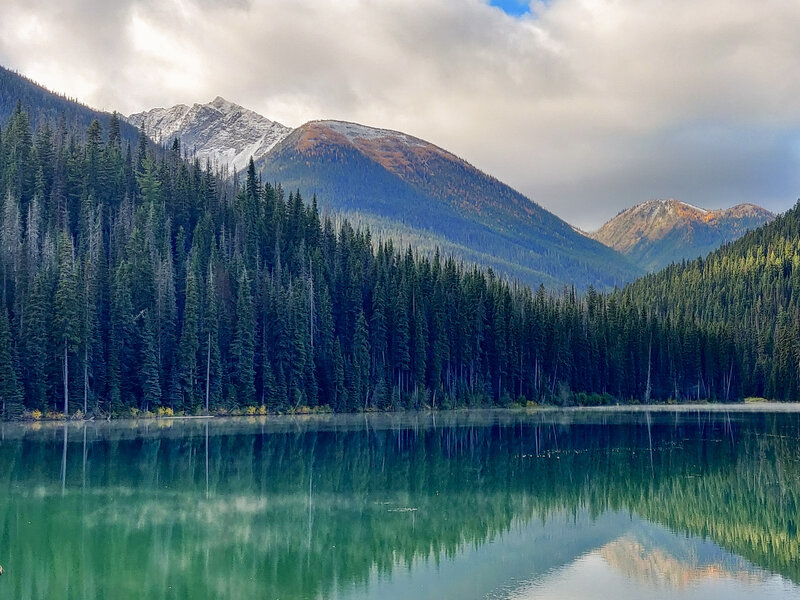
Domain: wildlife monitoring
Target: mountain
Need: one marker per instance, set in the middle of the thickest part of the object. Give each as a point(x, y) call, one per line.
point(407, 188)
point(749, 291)
point(43, 106)
point(272, 304)
point(401, 187)
point(220, 131)
point(658, 232)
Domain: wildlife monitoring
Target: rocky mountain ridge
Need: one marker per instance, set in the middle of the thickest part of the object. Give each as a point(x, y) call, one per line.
point(657, 232)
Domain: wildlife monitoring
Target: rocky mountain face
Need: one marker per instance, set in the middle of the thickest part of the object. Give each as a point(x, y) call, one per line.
point(658, 232)
point(221, 132)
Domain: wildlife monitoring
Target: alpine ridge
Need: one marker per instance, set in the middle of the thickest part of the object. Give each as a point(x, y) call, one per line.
point(658, 232)
point(400, 186)
point(221, 132)
point(414, 191)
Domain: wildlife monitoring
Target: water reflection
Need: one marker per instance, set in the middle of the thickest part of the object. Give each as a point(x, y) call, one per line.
point(478, 505)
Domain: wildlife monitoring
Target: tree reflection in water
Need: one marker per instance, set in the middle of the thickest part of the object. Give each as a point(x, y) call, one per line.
point(305, 508)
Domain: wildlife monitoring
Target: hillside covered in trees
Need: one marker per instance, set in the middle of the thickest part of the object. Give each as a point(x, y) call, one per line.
point(749, 288)
point(400, 187)
point(414, 190)
point(46, 107)
point(134, 280)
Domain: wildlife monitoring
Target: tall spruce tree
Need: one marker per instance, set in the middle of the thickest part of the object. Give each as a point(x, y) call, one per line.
point(10, 395)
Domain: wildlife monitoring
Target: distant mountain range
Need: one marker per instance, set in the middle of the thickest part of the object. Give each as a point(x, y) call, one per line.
point(401, 187)
point(415, 192)
point(658, 232)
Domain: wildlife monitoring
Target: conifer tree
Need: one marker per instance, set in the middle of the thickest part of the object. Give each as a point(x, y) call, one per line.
point(243, 346)
point(189, 342)
point(361, 360)
point(213, 366)
point(150, 382)
point(339, 400)
point(67, 317)
point(10, 396)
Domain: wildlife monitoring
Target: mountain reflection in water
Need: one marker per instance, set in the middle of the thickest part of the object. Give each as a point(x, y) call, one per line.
point(464, 505)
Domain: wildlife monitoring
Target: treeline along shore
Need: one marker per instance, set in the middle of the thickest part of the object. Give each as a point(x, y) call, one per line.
point(135, 281)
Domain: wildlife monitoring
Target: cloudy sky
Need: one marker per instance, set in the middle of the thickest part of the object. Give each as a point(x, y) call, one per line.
point(586, 106)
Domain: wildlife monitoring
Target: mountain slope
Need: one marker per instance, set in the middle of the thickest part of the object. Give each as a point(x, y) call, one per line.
point(749, 290)
point(43, 106)
point(220, 131)
point(658, 232)
point(402, 185)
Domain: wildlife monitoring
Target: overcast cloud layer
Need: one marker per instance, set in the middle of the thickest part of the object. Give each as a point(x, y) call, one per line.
point(586, 106)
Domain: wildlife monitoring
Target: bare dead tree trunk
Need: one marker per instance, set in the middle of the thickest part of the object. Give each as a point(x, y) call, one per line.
point(208, 372)
point(85, 379)
point(728, 383)
point(66, 380)
point(647, 389)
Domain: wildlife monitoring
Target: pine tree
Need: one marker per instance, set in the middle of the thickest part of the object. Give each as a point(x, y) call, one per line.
point(67, 318)
point(121, 335)
point(34, 342)
point(243, 346)
point(359, 397)
point(189, 342)
point(339, 401)
point(151, 385)
point(213, 366)
point(10, 396)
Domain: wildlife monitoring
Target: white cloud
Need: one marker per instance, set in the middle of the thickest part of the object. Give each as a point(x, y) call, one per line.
point(585, 105)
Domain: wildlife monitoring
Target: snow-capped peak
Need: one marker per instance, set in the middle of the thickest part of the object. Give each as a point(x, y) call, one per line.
point(220, 131)
point(354, 131)
point(668, 204)
point(224, 105)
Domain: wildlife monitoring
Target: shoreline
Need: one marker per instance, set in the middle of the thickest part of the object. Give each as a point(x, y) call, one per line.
point(342, 422)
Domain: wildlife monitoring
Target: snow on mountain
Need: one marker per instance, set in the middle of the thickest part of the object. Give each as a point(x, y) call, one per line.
point(396, 183)
point(220, 131)
point(355, 132)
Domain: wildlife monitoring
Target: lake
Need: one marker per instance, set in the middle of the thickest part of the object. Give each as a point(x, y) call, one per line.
point(669, 503)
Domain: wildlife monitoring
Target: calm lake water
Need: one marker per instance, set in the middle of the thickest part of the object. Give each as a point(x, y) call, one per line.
point(497, 505)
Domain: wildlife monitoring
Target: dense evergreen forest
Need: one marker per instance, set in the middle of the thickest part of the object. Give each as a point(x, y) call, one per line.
point(44, 106)
point(750, 289)
point(134, 280)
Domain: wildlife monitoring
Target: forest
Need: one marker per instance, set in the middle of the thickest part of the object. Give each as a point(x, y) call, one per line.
point(137, 282)
point(750, 289)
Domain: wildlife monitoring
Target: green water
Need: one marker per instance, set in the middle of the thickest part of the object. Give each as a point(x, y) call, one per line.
point(556, 505)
